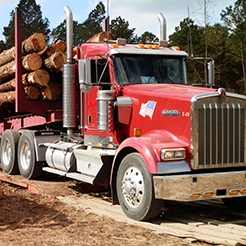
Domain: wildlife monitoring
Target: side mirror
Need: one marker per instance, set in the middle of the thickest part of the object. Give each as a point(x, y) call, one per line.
point(84, 70)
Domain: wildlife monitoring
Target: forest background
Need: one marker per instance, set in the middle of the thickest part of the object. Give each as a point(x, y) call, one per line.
point(222, 42)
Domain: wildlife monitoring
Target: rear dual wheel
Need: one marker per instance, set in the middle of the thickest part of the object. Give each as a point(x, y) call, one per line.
point(29, 168)
point(9, 143)
point(18, 154)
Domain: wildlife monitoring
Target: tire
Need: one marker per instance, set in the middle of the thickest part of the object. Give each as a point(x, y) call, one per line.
point(9, 143)
point(235, 203)
point(29, 168)
point(134, 185)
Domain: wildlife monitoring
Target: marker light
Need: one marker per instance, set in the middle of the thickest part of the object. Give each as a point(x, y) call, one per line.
point(141, 46)
point(156, 47)
point(110, 146)
point(137, 132)
point(149, 46)
point(114, 46)
point(172, 154)
point(176, 48)
point(195, 195)
point(233, 192)
point(243, 191)
point(207, 194)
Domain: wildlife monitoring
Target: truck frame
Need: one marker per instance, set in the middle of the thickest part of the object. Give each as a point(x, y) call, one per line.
point(129, 119)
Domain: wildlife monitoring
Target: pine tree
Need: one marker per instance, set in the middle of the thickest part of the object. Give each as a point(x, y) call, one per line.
point(120, 29)
point(32, 22)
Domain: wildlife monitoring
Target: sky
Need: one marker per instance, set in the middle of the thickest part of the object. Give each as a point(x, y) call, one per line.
point(141, 14)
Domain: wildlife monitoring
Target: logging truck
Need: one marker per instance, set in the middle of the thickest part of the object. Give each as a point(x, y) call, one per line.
point(128, 118)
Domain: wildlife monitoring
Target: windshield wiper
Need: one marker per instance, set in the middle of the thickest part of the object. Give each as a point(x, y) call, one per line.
point(163, 75)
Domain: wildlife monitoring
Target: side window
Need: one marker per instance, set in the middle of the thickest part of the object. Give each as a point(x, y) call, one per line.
point(100, 73)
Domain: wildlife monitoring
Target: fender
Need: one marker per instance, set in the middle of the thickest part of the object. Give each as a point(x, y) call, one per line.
point(150, 145)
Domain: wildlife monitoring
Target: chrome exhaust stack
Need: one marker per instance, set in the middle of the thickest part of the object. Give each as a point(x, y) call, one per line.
point(69, 83)
point(163, 30)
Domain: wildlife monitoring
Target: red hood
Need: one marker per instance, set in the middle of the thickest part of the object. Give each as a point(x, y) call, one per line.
point(167, 90)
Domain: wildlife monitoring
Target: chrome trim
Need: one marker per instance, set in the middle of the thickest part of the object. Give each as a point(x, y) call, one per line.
point(180, 187)
point(172, 167)
point(217, 131)
point(137, 51)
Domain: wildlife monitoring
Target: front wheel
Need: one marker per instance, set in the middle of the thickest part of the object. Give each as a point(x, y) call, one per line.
point(28, 166)
point(9, 144)
point(135, 190)
point(235, 203)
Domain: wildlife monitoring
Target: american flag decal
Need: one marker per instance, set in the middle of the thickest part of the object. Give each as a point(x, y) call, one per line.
point(147, 109)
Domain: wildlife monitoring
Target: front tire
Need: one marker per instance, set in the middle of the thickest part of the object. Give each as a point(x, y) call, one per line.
point(28, 166)
point(135, 190)
point(9, 143)
point(235, 203)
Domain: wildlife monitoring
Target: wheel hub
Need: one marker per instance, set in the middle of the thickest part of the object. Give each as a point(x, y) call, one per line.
point(130, 188)
point(6, 152)
point(133, 187)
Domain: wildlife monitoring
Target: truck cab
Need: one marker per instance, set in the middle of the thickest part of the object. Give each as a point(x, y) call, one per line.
point(133, 121)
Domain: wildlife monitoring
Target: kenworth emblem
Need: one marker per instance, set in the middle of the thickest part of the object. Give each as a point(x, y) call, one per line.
point(170, 113)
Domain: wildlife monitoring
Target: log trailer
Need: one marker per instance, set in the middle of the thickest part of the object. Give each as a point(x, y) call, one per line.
point(129, 119)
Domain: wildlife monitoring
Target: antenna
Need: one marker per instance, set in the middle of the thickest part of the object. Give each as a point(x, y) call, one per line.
point(190, 43)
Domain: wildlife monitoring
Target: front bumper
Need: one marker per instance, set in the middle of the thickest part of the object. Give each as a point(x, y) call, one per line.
point(182, 187)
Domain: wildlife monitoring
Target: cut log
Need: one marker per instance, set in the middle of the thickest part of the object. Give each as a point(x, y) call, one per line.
point(7, 56)
point(39, 77)
point(32, 92)
point(55, 61)
point(60, 45)
point(47, 51)
point(32, 62)
point(34, 43)
point(52, 91)
point(7, 71)
point(7, 97)
point(100, 37)
point(8, 86)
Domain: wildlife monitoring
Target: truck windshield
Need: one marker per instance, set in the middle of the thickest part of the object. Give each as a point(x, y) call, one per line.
point(149, 69)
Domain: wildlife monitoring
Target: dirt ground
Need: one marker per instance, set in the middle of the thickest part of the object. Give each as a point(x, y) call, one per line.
point(41, 219)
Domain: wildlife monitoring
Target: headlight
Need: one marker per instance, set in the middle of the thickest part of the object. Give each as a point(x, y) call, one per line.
point(172, 154)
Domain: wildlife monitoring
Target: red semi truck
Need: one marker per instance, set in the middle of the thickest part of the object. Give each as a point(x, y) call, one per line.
point(130, 119)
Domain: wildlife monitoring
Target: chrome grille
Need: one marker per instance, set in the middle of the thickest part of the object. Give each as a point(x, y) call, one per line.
point(219, 133)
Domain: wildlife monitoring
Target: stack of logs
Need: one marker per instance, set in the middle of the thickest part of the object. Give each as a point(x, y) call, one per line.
point(42, 70)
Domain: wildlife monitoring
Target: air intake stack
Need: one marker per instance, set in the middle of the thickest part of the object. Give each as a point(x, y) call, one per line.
point(69, 84)
point(163, 30)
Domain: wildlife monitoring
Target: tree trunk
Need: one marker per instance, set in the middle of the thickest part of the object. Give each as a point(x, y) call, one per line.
point(52, 91)
point(100, 37)
point(7, 97)
point(8, 86)
point(7, 56)
point(47, 52)
point(7, 71)
point(55, 61)
point(32, 62)
point(60, 45)
point(34, 43)
point(32, 92)
point(39, 77)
